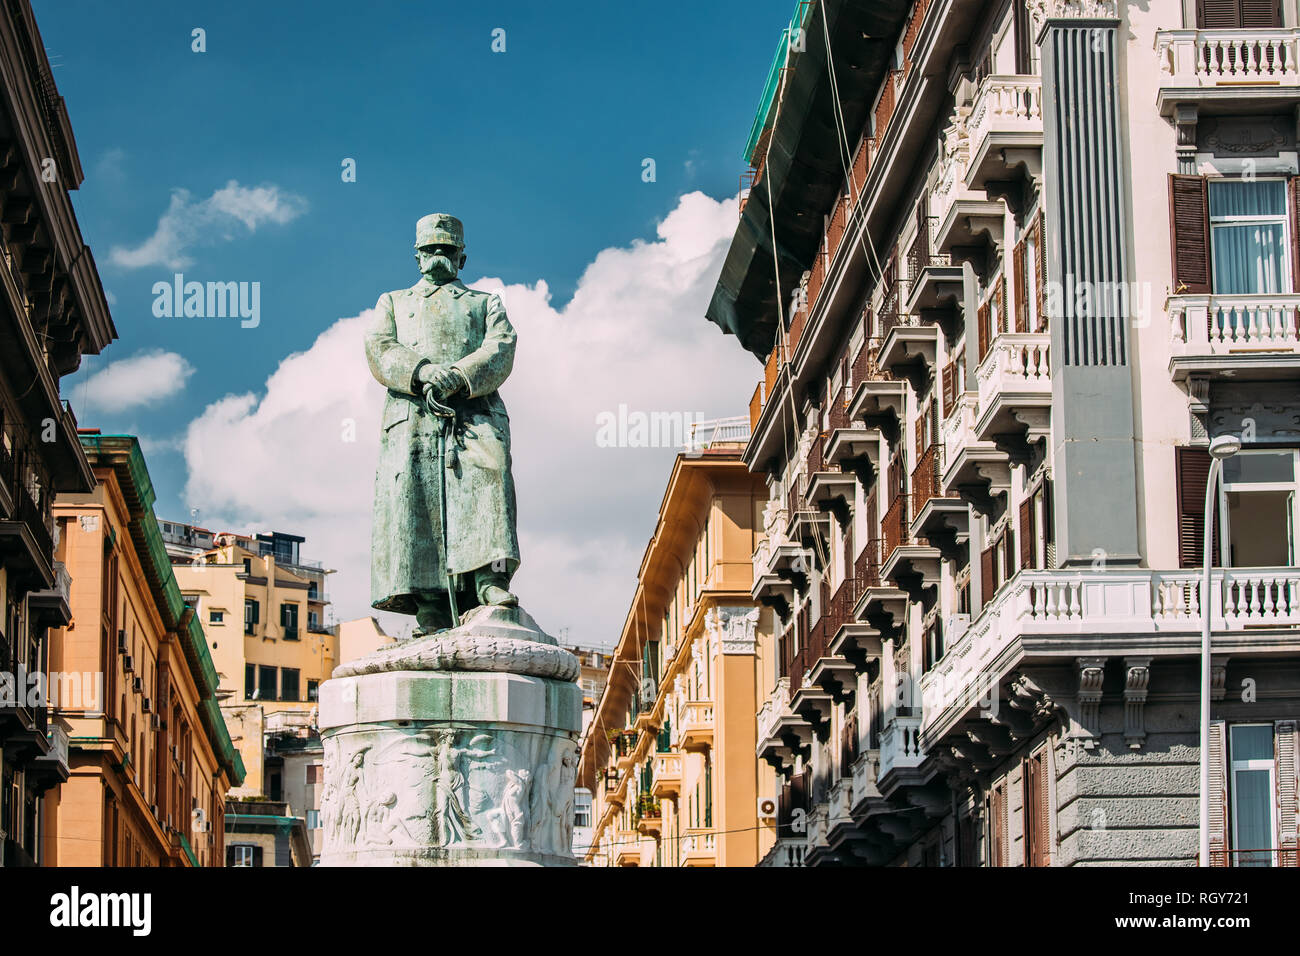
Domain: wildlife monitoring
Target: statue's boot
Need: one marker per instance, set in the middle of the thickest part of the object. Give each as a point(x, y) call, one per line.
point(493, 587)
point(431, 615)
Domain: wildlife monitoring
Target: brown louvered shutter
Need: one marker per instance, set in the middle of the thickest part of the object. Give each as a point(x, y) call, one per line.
point(934, 422)
point(1049, 529)
point(1189, 233)
point(1286, 792)
point(1218, 797)
point(1028, 537)
point(982, 320)
point(1021, 285)
point(1040, 270)
point(949, 387)
point(1294, 195)
point(1218, 14)
point(988, 574)
point(1000, 305)
point(1009, 554)
point(919, 436)
point(1261, 14)
point(1193, 470)
point(1037, 797)
point(998, 826)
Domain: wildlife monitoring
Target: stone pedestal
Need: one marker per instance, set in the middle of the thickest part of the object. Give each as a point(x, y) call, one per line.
point(452, 767)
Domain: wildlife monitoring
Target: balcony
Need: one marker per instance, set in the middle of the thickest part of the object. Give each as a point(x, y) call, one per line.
point(782, 734)
point(909, 564)
point(627, 848)
point(52, 769)
point(778, 565)
point(696, 731)
point(667, 775)
point(786, 852)
point(1059, 615)
point(977, 471)
point(866, 771)
point(938, 518)
point(900, 747)
point(853, 448)
point(699, 847)
point(1015, 393)
point(909, 348)
point(936, 281)
point(807, 699)
point(50, 606)
point(1223, 70)
point(833, 673)
point(1006, 132)
point(649, 817)
point(625, 750)
point(1234, 336)
point(26, 541)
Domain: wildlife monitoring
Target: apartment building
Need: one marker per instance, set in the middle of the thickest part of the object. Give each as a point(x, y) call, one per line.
point(263, 608)
point(669, 756)
point(1010, 266)
point(52, 312)
point(149, 759)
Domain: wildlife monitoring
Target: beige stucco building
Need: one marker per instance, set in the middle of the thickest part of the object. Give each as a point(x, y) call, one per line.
point(150, 759)
point(670, 753)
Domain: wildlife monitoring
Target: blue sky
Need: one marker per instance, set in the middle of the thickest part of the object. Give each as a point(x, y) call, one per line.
point(539, 149)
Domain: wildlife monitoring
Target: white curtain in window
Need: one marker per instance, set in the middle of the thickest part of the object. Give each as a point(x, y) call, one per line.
point(1249, 256)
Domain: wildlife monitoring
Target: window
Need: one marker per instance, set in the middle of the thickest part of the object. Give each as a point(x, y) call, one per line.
point(1037, 803)
point(289, 683)
point(266, 683)
point(1238, 14)
point(252, 614)
point(289, 621)
point(216, 617)
point(313, 690)
point(248, 565)
point(313, 621)
point(315, 773)
point(1250, 749)
point(242, 854)
point(250, 682)
point(1259, 488)
point(313, 819)
point(1248, 236)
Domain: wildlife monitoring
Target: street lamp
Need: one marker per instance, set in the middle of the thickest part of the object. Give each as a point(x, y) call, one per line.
point(1225, 446)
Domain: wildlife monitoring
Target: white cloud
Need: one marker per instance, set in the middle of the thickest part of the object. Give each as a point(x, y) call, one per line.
point(142, 379)
point(633, 334)
point(188, 223)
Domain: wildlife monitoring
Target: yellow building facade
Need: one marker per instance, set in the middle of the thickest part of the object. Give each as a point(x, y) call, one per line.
point(670, 754)
point(150, 760)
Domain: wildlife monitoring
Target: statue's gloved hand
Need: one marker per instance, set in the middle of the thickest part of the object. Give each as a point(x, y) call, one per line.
point(445, 381)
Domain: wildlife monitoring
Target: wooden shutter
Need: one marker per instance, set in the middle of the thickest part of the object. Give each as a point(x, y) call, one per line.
point(998, 826)
point(1021, 285)
point(988, 574)
point(1040, 270)
point(1049, 524)
point(920, 440)
point(1000, 305)
point(1009, 554)
point(1028, 537)
point(982, 320)
point(1286, 792)
point(1218, 797)
point(1024, 36)
point(1189, 233)
point(949, 387)
point(1293, 185)
point(1261, 14)
point(1218, 14)
point(1038, 831)
point(1193, 470)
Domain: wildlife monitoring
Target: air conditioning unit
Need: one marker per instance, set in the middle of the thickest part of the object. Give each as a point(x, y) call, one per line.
point(157, 721)
point(121, 640)
point(153, 809)
point(147, 706)
point(767, 808)
point(176, 753)
point(128, 665)
point(138, 685)
point(954, 627)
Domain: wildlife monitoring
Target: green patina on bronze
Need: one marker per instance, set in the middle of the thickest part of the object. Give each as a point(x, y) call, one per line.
point(442, 341)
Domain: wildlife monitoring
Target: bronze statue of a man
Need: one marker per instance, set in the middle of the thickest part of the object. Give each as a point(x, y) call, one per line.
point(444, 513)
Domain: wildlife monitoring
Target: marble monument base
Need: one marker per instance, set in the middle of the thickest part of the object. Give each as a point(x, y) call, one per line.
point(447, 767)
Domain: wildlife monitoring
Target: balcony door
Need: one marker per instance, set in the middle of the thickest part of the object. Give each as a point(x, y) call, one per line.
point(1250, 748)
point(1259, 490)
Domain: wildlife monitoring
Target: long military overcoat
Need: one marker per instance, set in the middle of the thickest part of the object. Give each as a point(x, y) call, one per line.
point(468, 331)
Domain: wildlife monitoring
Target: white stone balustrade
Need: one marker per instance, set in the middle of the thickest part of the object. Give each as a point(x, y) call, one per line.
point(1006, 104)
point(776, 705)
point(900, 745)
point(1122, 603)
point(1219, 324)
point(1233, 57)
point(1017, 362)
